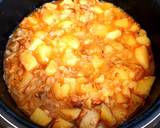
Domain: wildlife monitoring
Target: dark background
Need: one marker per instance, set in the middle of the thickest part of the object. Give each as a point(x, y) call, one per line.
point(146, 12)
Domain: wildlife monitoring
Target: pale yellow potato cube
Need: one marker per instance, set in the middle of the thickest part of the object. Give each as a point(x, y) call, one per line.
point(61, 91)
point(130, 40)
point(135, 27)
point(142, 56)
point(97, 9)
point(71, 113)
point(90, 120)
point(27, 77)
point(144, 40)
point(97, 62)
point(123, 23)
point(44, 53)
point(65, 24)
point(40, 117)
point(50, 18)
point(51, 68)
point(69, 58)
point(106, 115)
point(61, 123)
point(114, 34)
point(99, 29)
point(50, 6)
point(35, 43)
point(70, 2)
point(144, 86)
point(122, 74)
point(28, 60)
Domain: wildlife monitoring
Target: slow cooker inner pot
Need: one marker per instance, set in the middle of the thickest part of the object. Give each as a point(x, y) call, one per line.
point(145, 12)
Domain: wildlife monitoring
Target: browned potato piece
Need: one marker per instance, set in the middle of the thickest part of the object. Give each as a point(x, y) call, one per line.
point(142, 56)
point(28, 60)
point(90, 120)
point(106, 115)
point(144, 86)
point(40, 117)
point(71, 113)
point(61, 123)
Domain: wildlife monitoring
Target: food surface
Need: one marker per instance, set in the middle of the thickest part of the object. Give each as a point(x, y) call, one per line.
point(81, 64)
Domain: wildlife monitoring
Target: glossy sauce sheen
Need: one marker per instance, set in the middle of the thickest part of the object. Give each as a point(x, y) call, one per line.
point(80, 64)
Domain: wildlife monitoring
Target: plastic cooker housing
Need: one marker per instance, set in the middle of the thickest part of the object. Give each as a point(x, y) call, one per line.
point(145, 12)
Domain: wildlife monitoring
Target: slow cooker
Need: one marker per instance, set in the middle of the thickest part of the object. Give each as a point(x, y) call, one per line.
point(145, 12)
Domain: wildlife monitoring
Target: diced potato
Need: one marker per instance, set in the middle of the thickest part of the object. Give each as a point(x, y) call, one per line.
point(100, 126)
point(72, 113)
point(61, 91)
point(50, 6)
point(144, 86)
point(28, 60)
point(120, 113)
point(123, 23)
point(90, 120)
point(43, 53)
point(97, 62)
point(61, 123)
point(69, 58)
point(130, 40)
point(100, 79)
point(27, 77)
point(40, 117)
point(70, 2)
point(35, 43)
point(122, 74)
point(142, 56)
point(50, 18)
point(114, 34)
point(135, 27)
point(51, 68)
point(65, 24)
point(97, 10)
point(144, 40)
point(106, 115)
point(72, 83)
point(99, 29)
point(83, 2)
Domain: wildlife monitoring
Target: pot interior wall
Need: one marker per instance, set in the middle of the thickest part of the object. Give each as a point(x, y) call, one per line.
point(145, 12)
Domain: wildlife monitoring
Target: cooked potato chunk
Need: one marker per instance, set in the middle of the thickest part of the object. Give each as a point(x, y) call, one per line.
point(72, 113)
point(28, 60)
point(43, 53)
point(99, 29)
point(51, 68)
point(61, 123)
point(142, 56)
point(123, 23)
point(114, 34)
point(144, 86)
point(90, 120)
point(144, 40)
point(35, 43)
point(40, 117)
point(106, 115)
